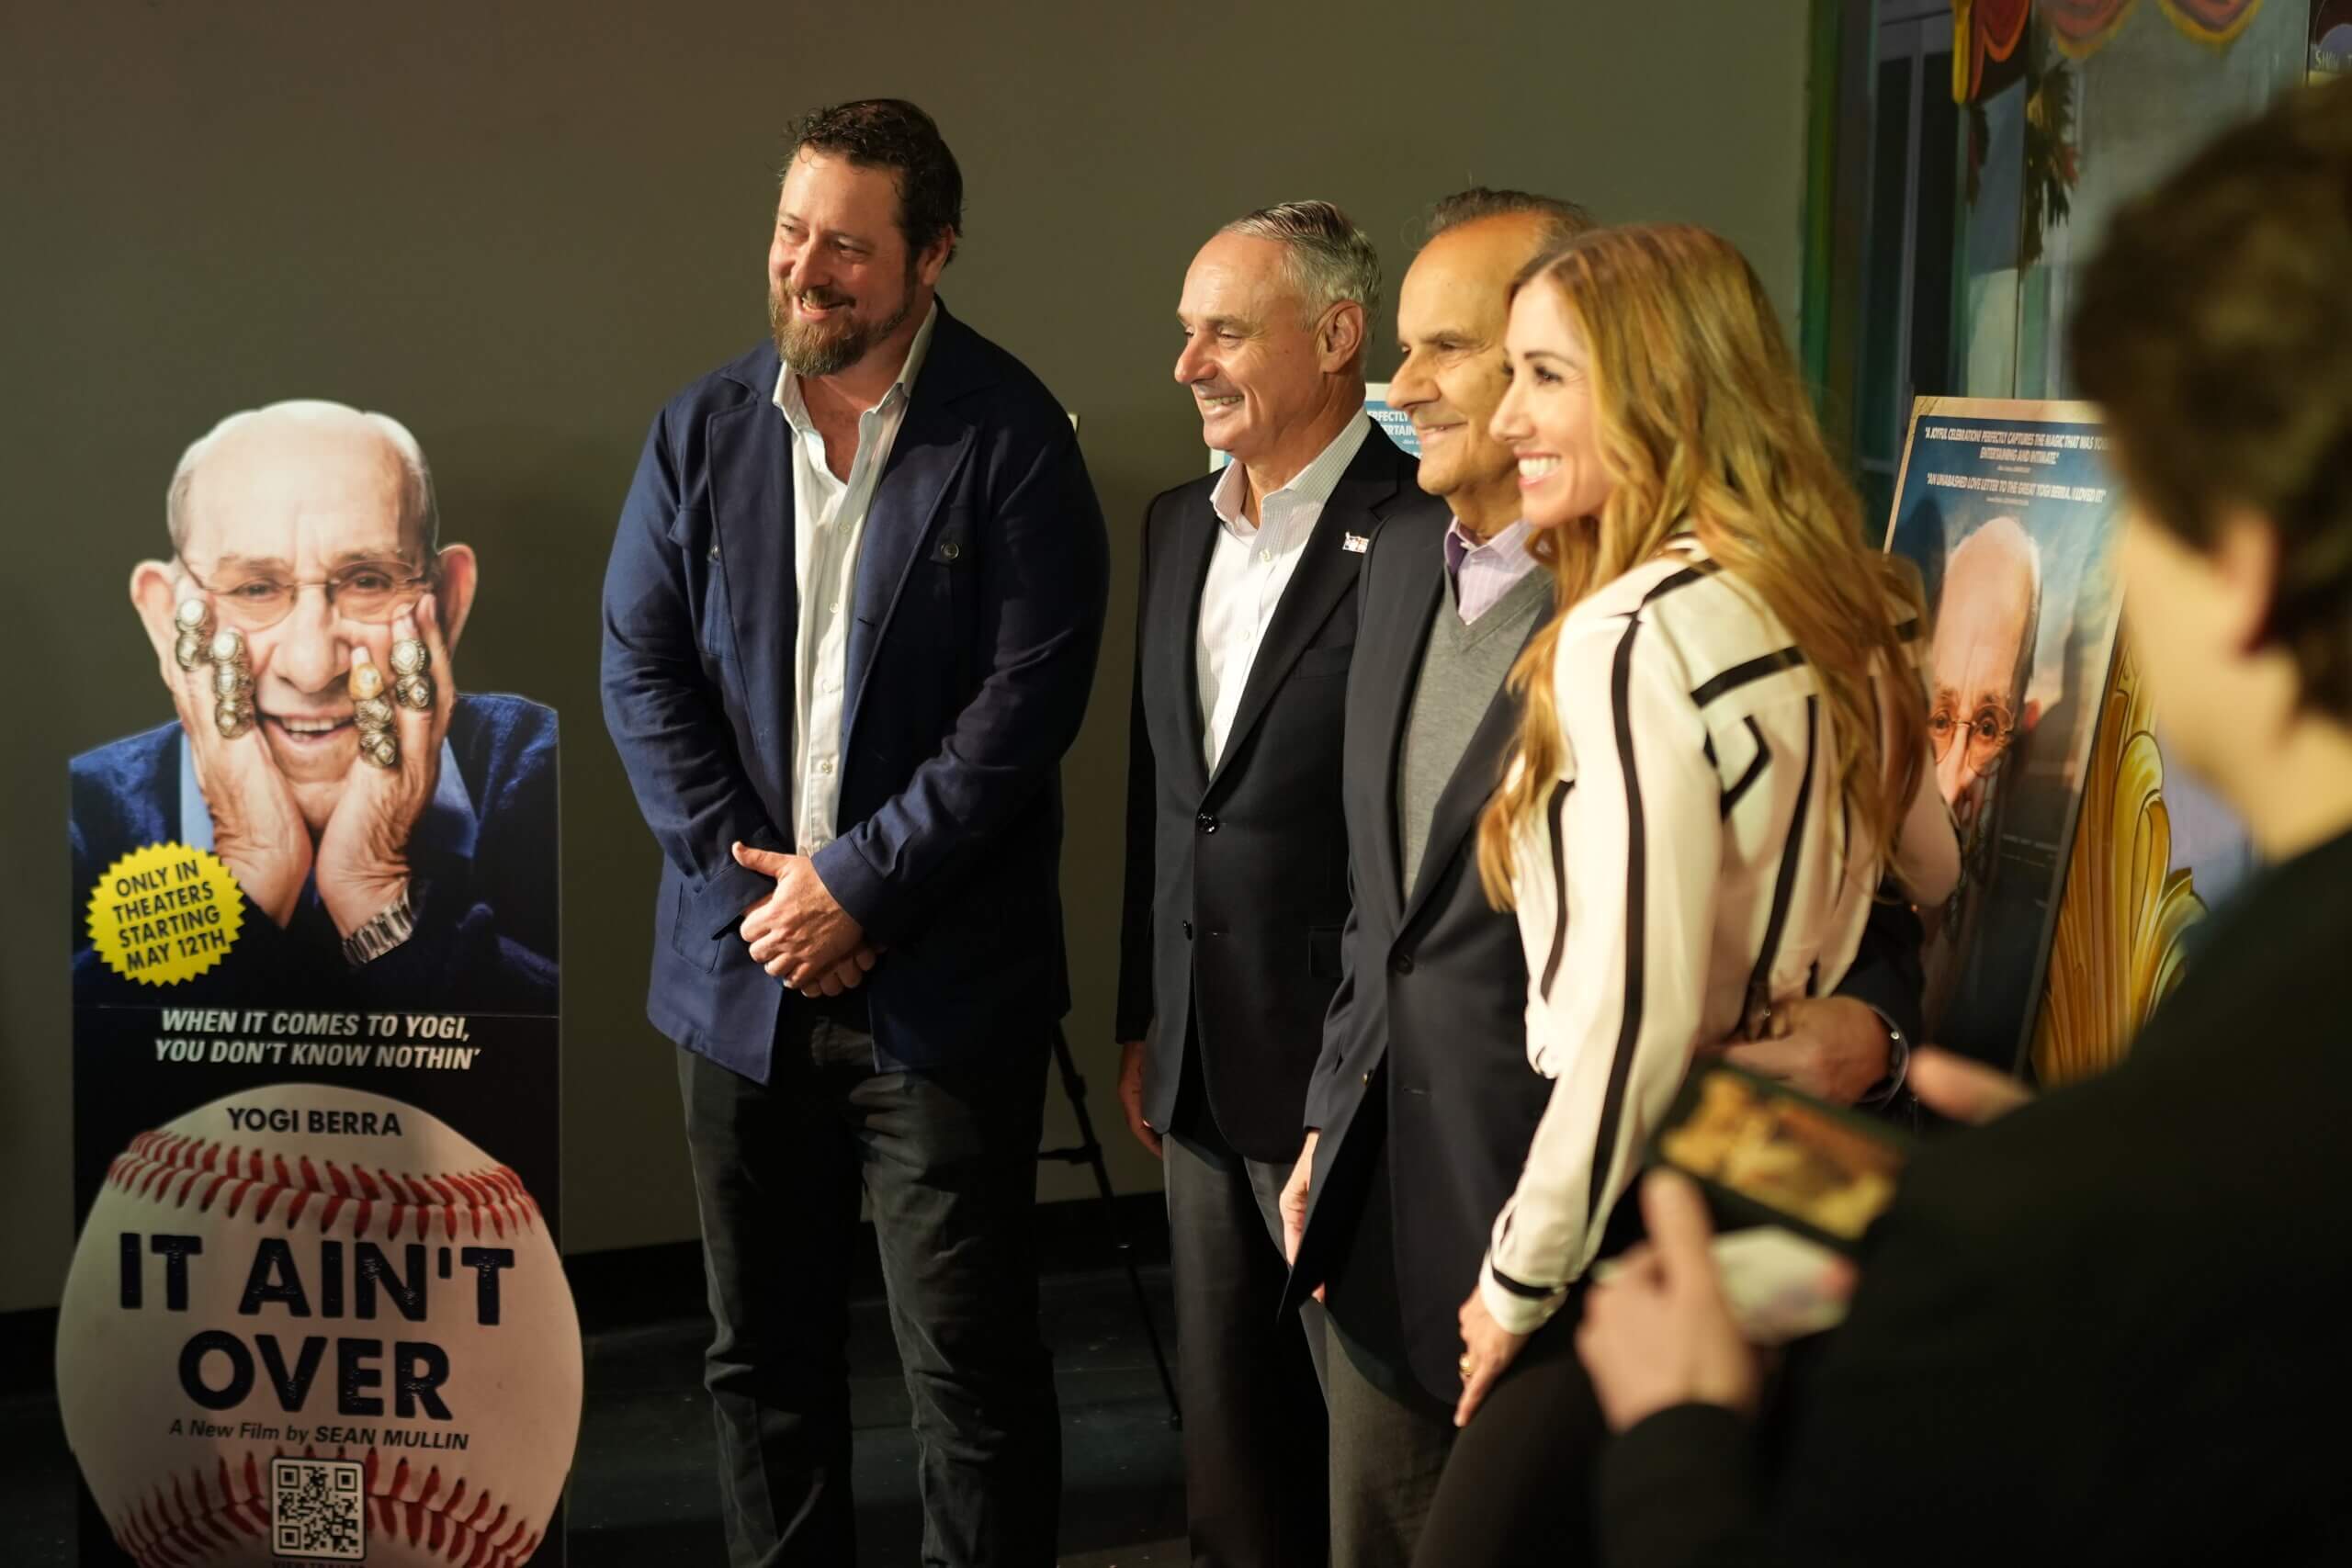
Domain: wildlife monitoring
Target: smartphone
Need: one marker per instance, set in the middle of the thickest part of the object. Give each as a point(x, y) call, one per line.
point(1766, 1153)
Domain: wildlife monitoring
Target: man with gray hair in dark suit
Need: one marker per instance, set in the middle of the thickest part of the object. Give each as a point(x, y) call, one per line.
point(1236, 860)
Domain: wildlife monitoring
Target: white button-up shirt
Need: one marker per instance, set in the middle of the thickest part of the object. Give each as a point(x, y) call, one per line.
point(1249, 568)
point(828, 526)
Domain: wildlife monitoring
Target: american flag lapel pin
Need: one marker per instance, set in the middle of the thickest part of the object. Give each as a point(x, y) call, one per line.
point(1355, 544)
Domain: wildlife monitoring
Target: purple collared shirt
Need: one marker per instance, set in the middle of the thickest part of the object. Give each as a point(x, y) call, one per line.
point(1484, 571)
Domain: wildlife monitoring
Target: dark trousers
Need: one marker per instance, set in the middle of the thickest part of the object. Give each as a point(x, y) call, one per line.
point(1512, 1487)
point(1251, 1381)
point(1517, 1486)
point(1389, 1443)
point(1390, 1436)
point(946, 1158)
point(1254, 1436)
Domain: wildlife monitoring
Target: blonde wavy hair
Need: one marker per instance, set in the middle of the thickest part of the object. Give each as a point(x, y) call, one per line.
point(1705, 423)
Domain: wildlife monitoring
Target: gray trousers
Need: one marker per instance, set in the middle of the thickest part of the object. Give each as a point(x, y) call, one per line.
point(1514, 1487)
point(1254, 1426)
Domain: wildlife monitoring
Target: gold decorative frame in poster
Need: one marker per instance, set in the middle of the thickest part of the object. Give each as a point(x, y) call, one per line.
point(2154, 852)
point(2118, 948)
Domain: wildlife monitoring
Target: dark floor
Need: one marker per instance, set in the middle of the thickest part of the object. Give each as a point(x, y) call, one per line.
point(642, 1494)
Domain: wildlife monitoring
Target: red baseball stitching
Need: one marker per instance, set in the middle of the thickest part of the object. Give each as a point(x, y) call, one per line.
point(163, 1532)
point(156, 1161)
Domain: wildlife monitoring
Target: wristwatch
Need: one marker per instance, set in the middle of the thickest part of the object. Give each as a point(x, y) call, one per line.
point(1898, 1064)
point(383, 931)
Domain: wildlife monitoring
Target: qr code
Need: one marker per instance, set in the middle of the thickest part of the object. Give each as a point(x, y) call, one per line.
point(318, 1509)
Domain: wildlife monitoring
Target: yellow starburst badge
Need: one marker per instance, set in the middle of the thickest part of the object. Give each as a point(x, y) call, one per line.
point(164, 914)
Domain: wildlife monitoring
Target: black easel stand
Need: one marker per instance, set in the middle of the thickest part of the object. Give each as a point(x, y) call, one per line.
point(1088, 1150)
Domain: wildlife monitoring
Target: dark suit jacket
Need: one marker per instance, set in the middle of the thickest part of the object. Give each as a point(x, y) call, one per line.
point(979, 611)
point(1425, 1047)
point(1237, 882)
point(2092, 1332)
point(482, 865)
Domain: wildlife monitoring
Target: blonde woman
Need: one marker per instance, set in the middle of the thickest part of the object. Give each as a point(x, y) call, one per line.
point(1722, 742)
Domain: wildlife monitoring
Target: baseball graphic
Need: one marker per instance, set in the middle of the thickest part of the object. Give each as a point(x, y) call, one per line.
point(317, 1323)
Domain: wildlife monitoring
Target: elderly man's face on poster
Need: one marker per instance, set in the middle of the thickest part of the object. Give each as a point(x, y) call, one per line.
point(2008, 510)
point(306, 530)
point(1982, 657)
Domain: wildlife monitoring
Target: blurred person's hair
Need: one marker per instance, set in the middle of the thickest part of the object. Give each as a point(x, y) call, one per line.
point(1704, 423)
point(2215, 330)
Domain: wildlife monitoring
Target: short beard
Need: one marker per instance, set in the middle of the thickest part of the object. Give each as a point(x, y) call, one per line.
point(818, 351)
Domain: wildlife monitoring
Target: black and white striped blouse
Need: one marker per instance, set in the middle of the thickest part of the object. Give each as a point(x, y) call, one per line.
point(1693, 851)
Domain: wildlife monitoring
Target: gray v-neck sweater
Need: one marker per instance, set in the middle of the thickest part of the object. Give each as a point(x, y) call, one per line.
point(1461, 669)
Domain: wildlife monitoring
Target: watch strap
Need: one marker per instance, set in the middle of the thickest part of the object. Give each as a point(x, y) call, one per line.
point(383, 931)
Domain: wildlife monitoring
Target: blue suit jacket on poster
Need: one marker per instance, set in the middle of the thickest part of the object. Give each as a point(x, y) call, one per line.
point(977, 613)
point(483, 864)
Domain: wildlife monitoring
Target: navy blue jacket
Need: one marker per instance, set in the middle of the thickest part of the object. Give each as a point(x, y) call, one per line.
point(483, 864)
point(981, 576)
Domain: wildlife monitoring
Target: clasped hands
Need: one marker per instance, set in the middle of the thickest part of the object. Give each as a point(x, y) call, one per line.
point(799, 934)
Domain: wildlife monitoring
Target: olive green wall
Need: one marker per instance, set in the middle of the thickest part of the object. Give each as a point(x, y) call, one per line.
point(519, 227)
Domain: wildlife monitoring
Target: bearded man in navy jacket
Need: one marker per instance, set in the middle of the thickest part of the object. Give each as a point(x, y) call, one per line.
point(851, 622)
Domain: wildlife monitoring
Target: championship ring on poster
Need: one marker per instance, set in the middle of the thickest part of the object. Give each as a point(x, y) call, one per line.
point(411, 688)
point(315, 1323)
point(194, 619)
point(232, 674)
point(371, 714)
point(233, 716)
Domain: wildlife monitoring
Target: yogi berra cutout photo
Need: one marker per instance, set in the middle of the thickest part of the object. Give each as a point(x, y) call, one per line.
point(317, 1313)
point(357, 823)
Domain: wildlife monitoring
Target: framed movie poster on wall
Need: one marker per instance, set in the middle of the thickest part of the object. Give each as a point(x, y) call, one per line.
point(2009, 511)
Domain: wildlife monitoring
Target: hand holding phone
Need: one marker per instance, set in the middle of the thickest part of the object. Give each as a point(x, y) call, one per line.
point(1792, 1182)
